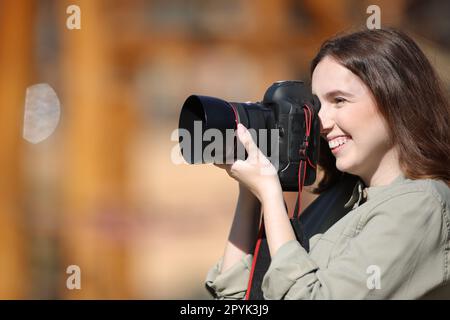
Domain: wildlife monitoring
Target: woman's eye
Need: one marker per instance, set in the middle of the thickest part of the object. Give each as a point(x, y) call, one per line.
point(339, 100)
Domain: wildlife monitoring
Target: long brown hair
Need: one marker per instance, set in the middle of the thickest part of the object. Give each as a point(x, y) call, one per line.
point(409, 96)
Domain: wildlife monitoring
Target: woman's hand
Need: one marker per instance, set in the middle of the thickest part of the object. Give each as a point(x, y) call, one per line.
point(259, 176)
point(256, 173)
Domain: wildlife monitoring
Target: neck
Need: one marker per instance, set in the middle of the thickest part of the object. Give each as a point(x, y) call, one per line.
point(387, 170)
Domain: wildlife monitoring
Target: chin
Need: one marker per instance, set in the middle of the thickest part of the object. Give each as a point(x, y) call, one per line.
point(344, 167)
point(340, 165)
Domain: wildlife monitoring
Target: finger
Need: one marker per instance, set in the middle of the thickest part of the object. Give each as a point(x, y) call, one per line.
point(247, 141)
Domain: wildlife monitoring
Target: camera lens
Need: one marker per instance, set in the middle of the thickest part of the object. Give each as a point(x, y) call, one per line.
point(200, 114)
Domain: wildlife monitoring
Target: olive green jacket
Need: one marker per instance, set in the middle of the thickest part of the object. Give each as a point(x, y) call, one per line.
point(393, 244)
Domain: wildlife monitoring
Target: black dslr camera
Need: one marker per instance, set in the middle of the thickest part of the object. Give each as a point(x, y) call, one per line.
point(287, 117)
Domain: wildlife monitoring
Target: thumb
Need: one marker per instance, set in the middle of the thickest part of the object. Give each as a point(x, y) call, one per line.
point(246, 139)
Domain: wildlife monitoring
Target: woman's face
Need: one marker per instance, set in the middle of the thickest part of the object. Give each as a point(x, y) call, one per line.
point(356, 133)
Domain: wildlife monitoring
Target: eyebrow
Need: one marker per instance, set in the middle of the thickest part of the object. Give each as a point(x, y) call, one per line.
point(338, 93)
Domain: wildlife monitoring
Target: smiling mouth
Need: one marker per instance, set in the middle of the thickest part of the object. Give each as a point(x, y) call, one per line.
point(338, 142)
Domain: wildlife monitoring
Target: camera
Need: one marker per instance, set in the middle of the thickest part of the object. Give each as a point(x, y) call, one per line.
point(284, 125)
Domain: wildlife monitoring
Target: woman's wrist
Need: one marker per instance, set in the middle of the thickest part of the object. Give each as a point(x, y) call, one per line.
point(278, 227)
point(272, 192)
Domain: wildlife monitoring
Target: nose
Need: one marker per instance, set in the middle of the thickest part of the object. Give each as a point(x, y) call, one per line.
point(326, 120)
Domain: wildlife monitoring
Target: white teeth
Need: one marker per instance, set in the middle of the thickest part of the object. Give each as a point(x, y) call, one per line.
point(337, 142)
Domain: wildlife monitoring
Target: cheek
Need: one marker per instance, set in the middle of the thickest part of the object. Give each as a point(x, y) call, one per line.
point(374, 125)
point(349, 122)
point(366, 128)
point(363, 126)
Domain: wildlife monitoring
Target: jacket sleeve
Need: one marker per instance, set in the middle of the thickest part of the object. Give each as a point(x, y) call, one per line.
point(231, 284)
point(402, 239)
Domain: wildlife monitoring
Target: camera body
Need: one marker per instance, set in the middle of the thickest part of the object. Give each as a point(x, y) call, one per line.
point(288, 115)
point(287, 100)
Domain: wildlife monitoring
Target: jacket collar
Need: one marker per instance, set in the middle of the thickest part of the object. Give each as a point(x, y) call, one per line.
point(361, 193)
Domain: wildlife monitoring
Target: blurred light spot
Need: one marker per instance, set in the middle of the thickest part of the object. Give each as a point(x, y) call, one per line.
point(42, 113)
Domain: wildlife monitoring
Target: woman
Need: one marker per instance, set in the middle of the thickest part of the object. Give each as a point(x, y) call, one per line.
point(386, 120)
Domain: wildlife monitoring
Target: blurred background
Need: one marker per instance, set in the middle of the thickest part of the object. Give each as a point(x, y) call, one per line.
point(102, 192)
